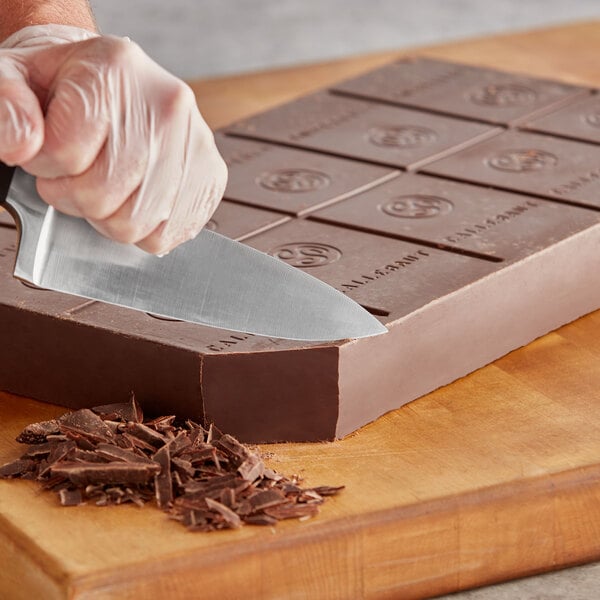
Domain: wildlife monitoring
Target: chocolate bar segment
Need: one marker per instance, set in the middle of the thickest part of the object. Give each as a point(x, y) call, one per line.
point(489, 223)
point(390, 277)
point(289, 180)
point(461, 90)
point(386, 135)
point(578, 120)
point(237, 222)
point(528, 162)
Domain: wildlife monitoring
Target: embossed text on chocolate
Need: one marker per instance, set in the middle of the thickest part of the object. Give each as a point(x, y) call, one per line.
point(575, 184)
point(396, 265)
point(228, 342)
point(490, 222)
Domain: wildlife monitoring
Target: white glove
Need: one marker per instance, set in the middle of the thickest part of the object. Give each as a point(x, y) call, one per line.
point(110, 135)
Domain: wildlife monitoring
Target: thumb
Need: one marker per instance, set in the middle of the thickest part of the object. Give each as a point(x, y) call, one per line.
point(21, 117)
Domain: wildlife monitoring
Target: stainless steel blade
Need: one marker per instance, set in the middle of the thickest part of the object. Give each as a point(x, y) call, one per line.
point(210, 280)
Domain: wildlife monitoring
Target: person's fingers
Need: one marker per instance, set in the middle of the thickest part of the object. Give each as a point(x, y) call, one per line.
point(122, 226)
point(202, 185)
point(100, 191)
point(21, 118)
point(88, 96)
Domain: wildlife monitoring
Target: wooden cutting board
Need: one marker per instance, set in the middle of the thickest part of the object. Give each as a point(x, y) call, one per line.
point(490, 478)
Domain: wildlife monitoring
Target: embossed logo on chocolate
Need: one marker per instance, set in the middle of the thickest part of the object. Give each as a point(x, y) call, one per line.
point(417, 206)
point(521, 161)
point(212, 225)
point(501, 95)
point(401, 136)
point(307, 254)
point(593, 118)
point(293, 180)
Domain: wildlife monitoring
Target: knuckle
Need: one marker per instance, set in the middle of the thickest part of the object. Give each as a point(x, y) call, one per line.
point(179, 97)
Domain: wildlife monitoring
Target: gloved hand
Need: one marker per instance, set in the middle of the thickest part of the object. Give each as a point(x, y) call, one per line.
point(110, 135)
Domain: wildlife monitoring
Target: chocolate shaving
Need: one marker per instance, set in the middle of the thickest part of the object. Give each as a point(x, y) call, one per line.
point(204, 479)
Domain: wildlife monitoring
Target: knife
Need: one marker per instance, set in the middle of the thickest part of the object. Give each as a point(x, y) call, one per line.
point(210, 280)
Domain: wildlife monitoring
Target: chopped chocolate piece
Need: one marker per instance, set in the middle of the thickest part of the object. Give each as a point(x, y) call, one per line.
point(267, 499)
point(326, 490)
point(232, 448)
point(70, 497)
point(82, 474)
point(125, 411)
point(112, 452)
point(17, 468)
point(36, 433)
point(252, 468)
point(85, 423)
point(163, 484)
point(40, 450)
point(146, 434)
point(259, 519)
point(293, 511)
point(232, 520)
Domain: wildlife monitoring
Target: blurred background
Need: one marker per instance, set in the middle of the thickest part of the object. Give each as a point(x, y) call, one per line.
point(201, 38)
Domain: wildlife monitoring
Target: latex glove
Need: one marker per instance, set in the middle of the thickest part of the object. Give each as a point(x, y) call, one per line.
point(110, 135)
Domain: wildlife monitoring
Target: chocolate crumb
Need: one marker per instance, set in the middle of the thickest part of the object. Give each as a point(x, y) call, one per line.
point(205, 479)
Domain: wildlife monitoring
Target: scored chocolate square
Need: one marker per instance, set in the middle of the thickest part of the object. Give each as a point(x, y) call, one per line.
point(492, 223)
point(579, 120)
point(391, 278)
point(387, 135)
point(237, 222)
point(462, 90)
point(529, 162)
point(289, 180)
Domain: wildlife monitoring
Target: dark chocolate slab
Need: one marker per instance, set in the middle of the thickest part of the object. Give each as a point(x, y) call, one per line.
point(391, 277)
point(237, 222)
point(475, 285)
point(494, 223)
point(462, 90)
point(578, 120)
point(387, 135)
point(289, 180)
point(528, 162)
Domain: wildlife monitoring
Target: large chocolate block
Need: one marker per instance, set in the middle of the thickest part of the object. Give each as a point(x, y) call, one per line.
point(579, 120)
point(479, 221)
point(529, 162)
point(461, 273)
point(462, 90)
point(387, 135)
point(289, 180)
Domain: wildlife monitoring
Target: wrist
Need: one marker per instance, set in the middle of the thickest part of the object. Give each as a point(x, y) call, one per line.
point(18, 14)
point(37, 35)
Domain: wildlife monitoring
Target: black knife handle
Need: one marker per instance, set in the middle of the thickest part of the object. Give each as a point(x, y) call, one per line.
point(6, 175)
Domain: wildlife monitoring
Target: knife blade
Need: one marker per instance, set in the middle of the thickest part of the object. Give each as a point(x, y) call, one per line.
point(210, 280)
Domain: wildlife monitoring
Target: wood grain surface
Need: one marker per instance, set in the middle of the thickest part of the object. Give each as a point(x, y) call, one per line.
point(490, 478)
